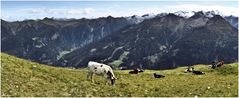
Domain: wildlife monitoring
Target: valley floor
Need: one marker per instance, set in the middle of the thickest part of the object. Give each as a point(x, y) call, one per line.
point(23, 78)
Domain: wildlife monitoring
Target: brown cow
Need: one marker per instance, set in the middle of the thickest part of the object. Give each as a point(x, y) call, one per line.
point(217, 64)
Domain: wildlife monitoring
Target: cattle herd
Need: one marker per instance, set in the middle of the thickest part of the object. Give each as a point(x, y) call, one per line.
point(107, 72)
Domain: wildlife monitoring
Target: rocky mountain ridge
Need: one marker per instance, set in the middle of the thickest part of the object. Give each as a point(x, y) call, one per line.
point(152, 41)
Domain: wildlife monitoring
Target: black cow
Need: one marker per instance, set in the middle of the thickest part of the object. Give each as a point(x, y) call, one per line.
point(156, 75)
point(135, 71)
point(140, 70)
point(197, 72)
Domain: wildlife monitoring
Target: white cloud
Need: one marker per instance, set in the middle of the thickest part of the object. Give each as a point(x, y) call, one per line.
point(72, 11)
point(126, 12)
point(88, 10)
point(113, 10)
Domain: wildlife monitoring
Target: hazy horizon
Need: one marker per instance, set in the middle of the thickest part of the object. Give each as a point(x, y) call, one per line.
point(22, 10)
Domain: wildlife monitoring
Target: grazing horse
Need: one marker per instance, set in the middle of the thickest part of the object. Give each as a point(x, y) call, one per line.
point(156, 75)
point(101, 69)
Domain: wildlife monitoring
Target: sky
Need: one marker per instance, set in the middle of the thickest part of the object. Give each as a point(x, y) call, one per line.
point(21, 10)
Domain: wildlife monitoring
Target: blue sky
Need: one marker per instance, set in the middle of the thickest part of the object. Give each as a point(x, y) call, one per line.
point(20, 10)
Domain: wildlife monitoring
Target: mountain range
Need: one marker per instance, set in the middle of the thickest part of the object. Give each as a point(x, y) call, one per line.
point(162, 41)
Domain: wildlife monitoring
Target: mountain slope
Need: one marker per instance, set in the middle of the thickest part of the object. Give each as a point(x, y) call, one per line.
point(159, 41)
point(23, 78)
point(233, 20)
point(20, 77)
point(47, 40)
point(163, 42)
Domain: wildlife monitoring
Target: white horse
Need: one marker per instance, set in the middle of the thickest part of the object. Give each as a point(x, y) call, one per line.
point(101, 69)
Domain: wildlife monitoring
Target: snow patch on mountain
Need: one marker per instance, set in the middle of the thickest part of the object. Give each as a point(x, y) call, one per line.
point(208, 14)
point(135, 19)
point(184, 14)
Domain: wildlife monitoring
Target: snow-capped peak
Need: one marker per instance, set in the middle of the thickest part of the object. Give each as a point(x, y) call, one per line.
point(208, 14)
point(148, 16)
point(211, 13)
point(184, 14)
point(135, 19)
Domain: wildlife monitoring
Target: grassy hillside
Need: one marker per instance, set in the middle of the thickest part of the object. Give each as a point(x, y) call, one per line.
point(23, 78)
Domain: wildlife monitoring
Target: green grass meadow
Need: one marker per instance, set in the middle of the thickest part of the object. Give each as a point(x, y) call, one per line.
point(28, 79)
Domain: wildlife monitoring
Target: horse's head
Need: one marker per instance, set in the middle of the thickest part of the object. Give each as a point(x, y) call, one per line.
point(111, 77)
point(113, 81)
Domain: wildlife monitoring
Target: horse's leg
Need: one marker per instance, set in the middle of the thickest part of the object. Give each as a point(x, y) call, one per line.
point(106, 79)
point(89, 75)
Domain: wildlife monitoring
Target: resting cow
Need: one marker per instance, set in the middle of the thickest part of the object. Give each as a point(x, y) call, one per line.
point(220, 63)
point(135, 71)
point(141, 70)
point(101, 69)
point(189, 69)
point(156, 75)
point(217, 64)
point(197, 72)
